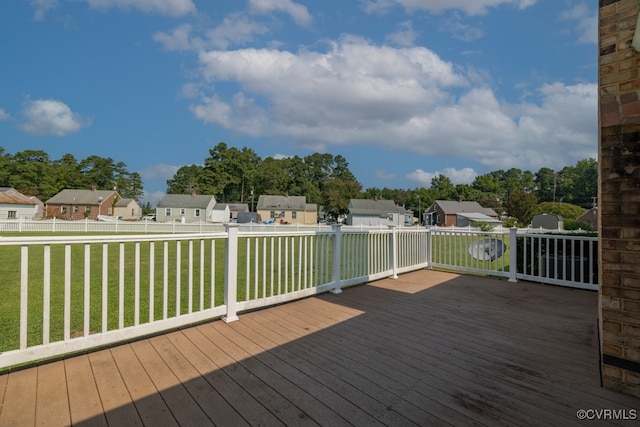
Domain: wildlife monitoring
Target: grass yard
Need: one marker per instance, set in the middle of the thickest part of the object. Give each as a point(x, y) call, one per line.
point(454, 250)
point(254, 281)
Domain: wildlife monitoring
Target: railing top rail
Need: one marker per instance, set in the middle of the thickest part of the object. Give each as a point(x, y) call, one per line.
point(119, 238)
point(559, 236)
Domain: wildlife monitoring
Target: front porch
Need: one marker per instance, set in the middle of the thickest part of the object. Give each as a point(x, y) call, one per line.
point(429, 348)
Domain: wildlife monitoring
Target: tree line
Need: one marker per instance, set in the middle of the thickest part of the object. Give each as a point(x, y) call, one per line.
point(240, 175)
point(34, 173)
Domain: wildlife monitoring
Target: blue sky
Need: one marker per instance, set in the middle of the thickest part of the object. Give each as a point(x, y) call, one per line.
point(403, 89)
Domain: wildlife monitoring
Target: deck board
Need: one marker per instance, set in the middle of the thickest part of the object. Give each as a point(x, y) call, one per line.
point(430, 348)
point(49, 399)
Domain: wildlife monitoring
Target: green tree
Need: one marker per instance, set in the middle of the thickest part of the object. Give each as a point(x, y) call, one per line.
point(444, 187)
point(546, 185)
point(565, 210)
point(521, 205)
point(337, 195)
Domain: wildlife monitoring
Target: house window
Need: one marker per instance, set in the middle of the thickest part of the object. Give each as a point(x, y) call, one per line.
point(12, 214)
point(294, 215)
point(167, 212)
point(183, 211)
point(63, 209)
point(196, 213)
point(75, 208)
point(87, 209)
point(272, 214)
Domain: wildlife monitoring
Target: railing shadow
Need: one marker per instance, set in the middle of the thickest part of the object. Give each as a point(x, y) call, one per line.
point(428, 348)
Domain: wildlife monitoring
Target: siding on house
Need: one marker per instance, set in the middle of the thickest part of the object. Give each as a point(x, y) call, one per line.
point(287, 209)
point(185, 207)
point(15, 205)
point(80, 204)
point(445, 212)
point(128, 209)
point(367, 212)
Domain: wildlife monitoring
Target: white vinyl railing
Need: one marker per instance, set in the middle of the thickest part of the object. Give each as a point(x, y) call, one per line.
point(558, 259)
point(65, 294)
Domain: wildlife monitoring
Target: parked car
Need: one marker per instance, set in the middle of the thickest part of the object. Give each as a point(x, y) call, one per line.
point(149, 217)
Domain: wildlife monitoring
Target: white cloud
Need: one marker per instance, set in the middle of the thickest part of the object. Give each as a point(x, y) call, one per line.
point(51, 117)
point(470, 7)
point(159, 171)
point(457, 176)
point(406, 99)
point(584, 22)
point(178, 39)
point(41, 7)
point(299, 13)
point(235, 29)
point(4, 115)
point(405, 36)
point(162, 7)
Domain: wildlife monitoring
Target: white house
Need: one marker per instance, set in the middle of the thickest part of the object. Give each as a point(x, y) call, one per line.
point(15, 205)
point(185, 208)
point(368, 212)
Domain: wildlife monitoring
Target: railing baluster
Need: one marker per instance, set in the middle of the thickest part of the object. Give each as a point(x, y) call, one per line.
point(165, 280)
point(87, 288)
point(67, 292)
point(121, 288)
point(24, 295)
point(136, 284)
point(105, 287)
point(152, 285)
point(201, 306)
point(46, 295)
point(178, 276)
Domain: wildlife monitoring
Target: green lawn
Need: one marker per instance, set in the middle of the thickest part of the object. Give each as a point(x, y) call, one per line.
point(253, 282)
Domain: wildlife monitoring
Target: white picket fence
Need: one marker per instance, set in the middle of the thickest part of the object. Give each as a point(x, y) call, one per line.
point(64, 294)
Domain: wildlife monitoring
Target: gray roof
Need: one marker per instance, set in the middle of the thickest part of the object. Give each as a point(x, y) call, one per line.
point(80, 197)
point(185, 201)
point(298, 203)
point(123, 203)
point(451, 207)
point(479, 217)
point(374, 207)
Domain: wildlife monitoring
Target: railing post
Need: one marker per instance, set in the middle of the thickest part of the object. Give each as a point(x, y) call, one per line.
point(335, 258)
point(231, 272)
point(513, 255)
point(429, 238)
point(393, 251)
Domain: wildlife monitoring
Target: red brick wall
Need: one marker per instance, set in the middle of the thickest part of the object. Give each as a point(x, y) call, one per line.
point(619, 198)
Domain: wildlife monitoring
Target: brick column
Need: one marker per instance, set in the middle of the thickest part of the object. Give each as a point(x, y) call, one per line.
point(619, 198)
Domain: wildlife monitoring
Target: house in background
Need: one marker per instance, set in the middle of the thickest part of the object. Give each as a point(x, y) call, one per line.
point(233, 210)
point(185, 208)
point(15, 205)
point(590, 217)
point(446, 213)
point(287, 209)
point(128, 210)
point(221, 213)
point(81, 204)
point(369, 212)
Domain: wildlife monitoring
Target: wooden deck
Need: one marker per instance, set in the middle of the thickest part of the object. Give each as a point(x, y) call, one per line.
point(430, 348)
